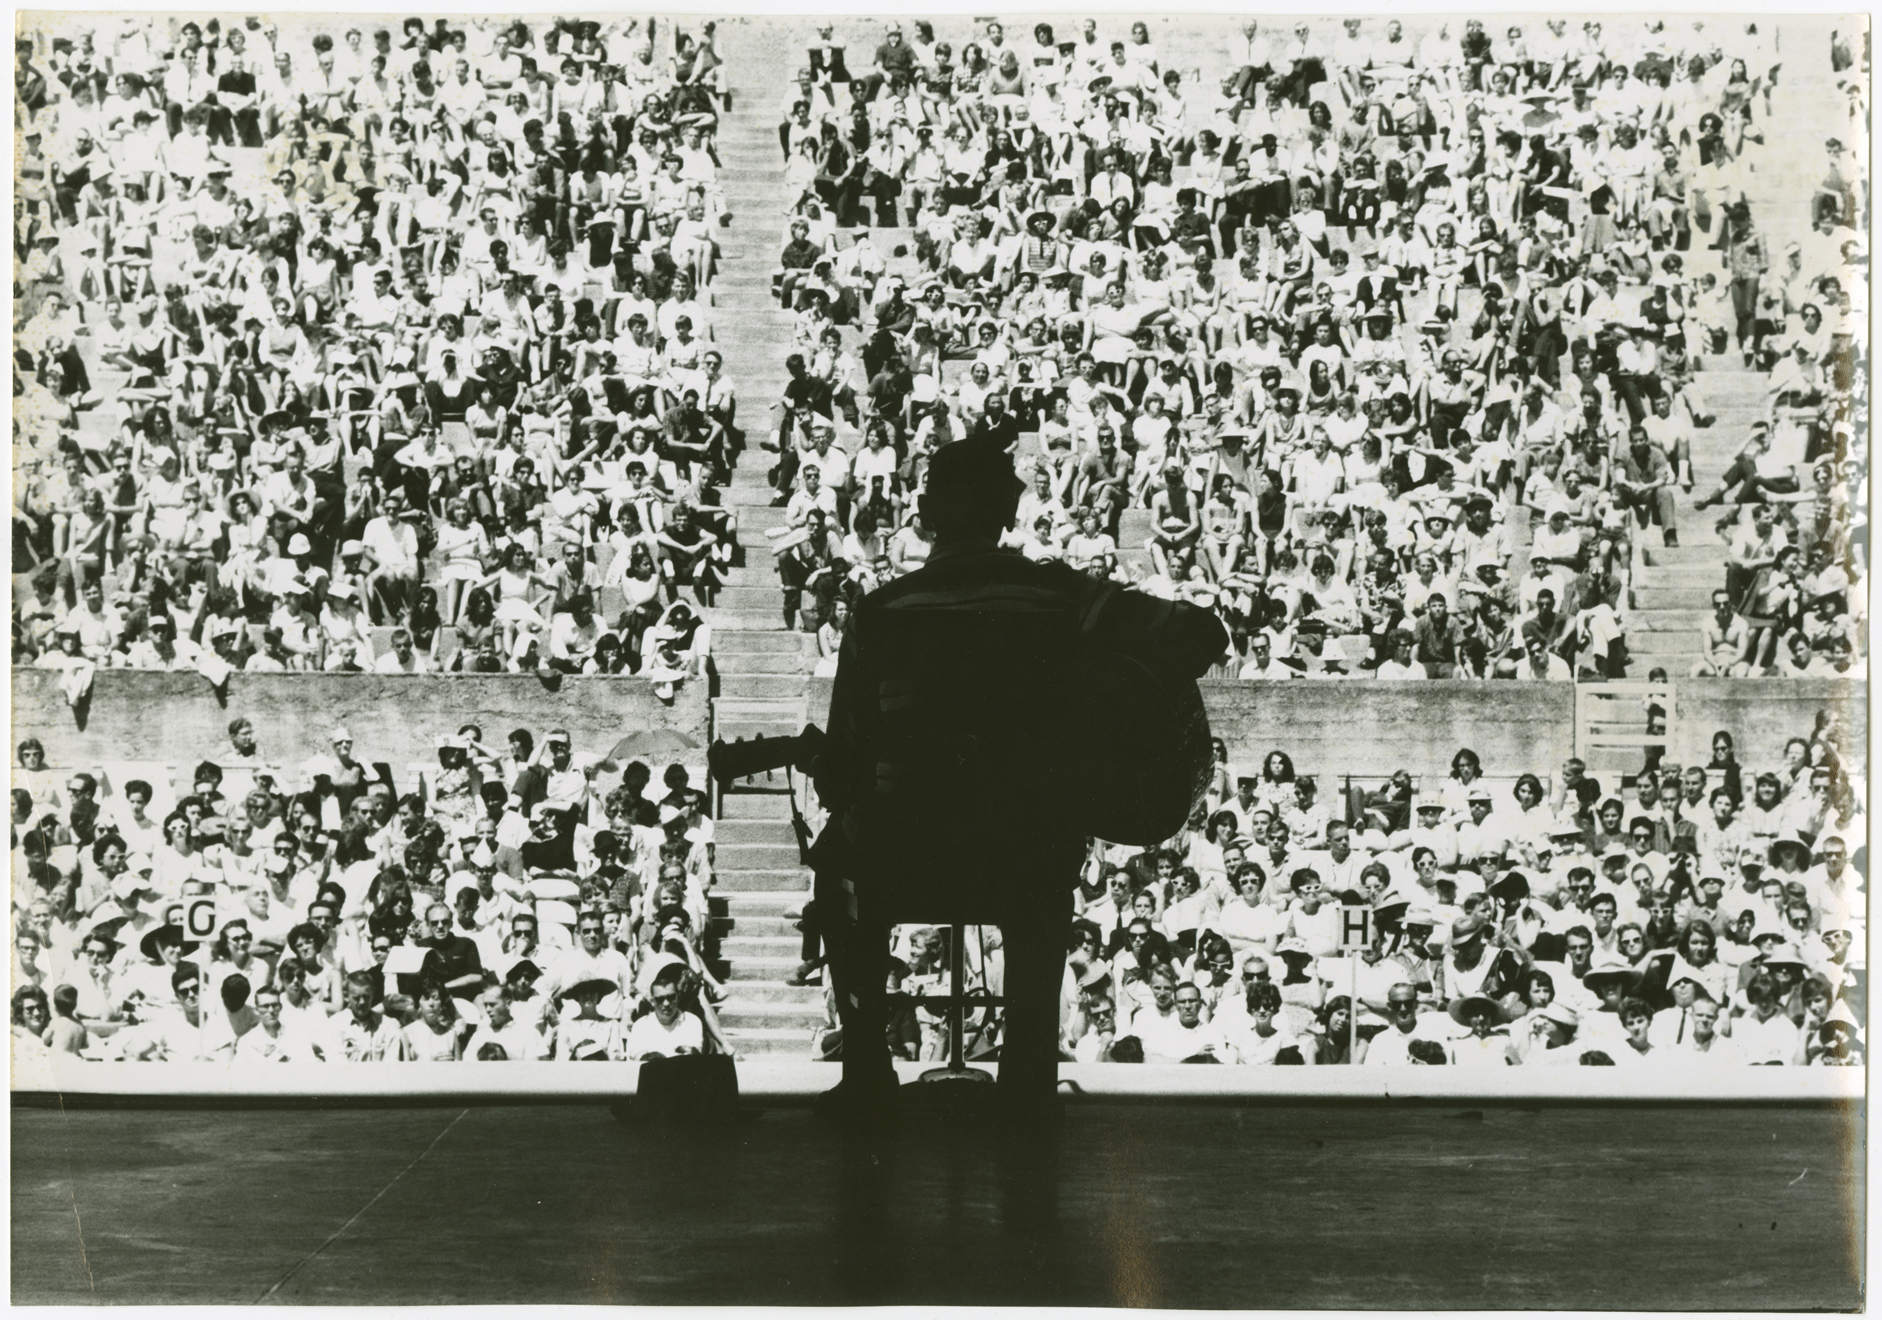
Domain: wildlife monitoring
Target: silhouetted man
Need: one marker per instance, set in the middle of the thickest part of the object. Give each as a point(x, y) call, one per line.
point(949, 773)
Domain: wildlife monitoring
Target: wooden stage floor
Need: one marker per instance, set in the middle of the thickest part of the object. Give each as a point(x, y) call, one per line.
point(1172, 1205)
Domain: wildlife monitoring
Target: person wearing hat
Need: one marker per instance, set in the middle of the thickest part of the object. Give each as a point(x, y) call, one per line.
point(1484, 1043)
point(1483, 958)
point(1837, 1040)
point(1439, 638)
point(1688, 986)
point(1429, 830)
point(549, 847)
point(337, 773)
point(1482, 834)
point(1012, 843)
point(1511, 899)
point(163, 948)
point(1546, 1037)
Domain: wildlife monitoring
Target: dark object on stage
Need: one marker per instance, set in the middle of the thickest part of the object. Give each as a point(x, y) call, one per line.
point(1138, 757)
point(686, 1088)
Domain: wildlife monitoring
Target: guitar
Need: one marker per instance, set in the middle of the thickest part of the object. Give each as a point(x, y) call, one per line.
point(1139, 745)
point(1141, 748)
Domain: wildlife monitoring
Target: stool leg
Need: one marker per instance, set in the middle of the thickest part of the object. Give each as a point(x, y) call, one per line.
point(957, 1008)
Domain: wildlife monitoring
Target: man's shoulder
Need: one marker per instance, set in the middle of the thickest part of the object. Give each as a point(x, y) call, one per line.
point(989, 570)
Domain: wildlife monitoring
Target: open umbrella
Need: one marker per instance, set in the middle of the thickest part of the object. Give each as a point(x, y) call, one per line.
point(652, 742)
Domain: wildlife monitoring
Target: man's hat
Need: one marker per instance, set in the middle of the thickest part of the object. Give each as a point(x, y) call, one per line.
point(1789, 841)
point(1611, 966)
point(593, 985)
point(1391, 899)
point(1514, 885)
point(1840, 1019)
point(1681, 970)
point(1559, 1013)
point(1461, 1009)
point(158, 938)
point(522, 967)
point(1785, 955)
point(1468, 927)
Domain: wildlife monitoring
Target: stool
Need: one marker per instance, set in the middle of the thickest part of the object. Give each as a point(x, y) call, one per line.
point(957, 1072)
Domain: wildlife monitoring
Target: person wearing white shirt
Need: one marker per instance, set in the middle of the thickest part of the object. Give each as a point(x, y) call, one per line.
point(1391, 1047)
point(519, 1041)
point(392, 542)
point(1183, 1035)
point(1767, 1034)
point(1704, 1040)
point(1250, 924)
point(272, 1039)
point(402, 658)
point(669, 1030)
point(1264, 1033)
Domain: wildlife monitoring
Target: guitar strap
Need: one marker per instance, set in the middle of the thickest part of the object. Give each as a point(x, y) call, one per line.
point(799, 826)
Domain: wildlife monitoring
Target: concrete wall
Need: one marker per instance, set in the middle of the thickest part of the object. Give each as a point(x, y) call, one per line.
point(1763, 714)
point(1370, 728)
point(136, 716)
point(1375, 728)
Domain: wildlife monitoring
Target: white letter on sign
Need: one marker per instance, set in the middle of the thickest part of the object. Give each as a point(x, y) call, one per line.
point(1355, 927)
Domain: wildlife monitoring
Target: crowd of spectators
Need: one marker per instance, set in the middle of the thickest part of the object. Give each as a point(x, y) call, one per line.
point(1684, 917)
point(1383, 346)
point(368, 348)
point(511, 903)
point(355, 350)
point(1696, 916)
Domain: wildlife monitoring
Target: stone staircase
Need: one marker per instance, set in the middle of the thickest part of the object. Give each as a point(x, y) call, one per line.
point(1672, 587)
point(762, 669)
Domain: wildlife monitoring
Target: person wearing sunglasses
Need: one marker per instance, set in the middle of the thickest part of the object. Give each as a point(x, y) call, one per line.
point(1393, 1045)
point(669, 1030)
point(181, 1034)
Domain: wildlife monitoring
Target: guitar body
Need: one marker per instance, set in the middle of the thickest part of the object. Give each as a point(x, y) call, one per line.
point(1141, 754)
